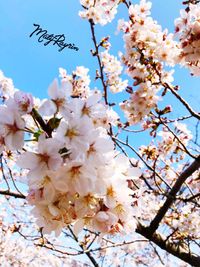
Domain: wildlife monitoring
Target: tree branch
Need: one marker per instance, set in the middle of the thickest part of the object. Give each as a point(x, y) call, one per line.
point(172, 194)
point(99, 60)
point(92, 259)
point(11, 194)
point(45, 127)
point(174, 249)
point(186, 105)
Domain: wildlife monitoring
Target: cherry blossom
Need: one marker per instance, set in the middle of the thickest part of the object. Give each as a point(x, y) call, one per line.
point(79, 79)
point(187, 28)
point(46, 158)
point(74, 163)
point(99, 11)
point(12, 126)
point(113, 70)
point(58, 98)
point(147, 50)
point(6, 86)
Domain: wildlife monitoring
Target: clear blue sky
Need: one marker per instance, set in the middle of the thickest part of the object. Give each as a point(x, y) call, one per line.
point(33, 66)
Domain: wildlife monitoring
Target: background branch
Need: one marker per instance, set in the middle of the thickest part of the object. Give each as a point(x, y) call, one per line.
point(172, 194)
point(12, 194)
point(175, 249)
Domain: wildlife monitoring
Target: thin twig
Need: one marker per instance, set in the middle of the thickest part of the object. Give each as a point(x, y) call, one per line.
point(96, 53)
point(12, 194)
point(172, 194)
point(186, 105)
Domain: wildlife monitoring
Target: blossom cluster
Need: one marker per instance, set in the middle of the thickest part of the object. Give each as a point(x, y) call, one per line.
point(187, 28)
point(147, 49)
point(184, 213)
point(15, 252)
point(99, 11)
point(140, 103)
point(170, 149)
point(184, 216)
point(79, 81)
point(74, 173)
point(176, 142)
point(6, 86)
point(171, 143)
point(113, 70)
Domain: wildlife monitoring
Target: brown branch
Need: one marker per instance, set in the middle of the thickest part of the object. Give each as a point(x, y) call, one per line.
point(96, 53)
point(141, 158)
point(192, 197)
point(11, 176)
point(172, 248)
point(179, 141)
point(126, 4)
point(45, 127)
point(158, 255)
point(92, 259)
point(12, 194)
point(117, 245)
point(186, 105)
point(172, 194)
point(50, 247)
point(3, 174)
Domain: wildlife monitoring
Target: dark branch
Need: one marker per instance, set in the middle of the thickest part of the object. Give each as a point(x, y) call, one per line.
point(174, 249)
point(99, 60)
point(172, 194)
point(92, 259)
point(186, 105)
point(11, 194)
point(45, 127)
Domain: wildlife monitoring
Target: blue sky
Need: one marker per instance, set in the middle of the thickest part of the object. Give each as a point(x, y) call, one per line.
point(33, 66)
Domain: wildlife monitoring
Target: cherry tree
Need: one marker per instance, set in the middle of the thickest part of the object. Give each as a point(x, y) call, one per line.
point(75, 188)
